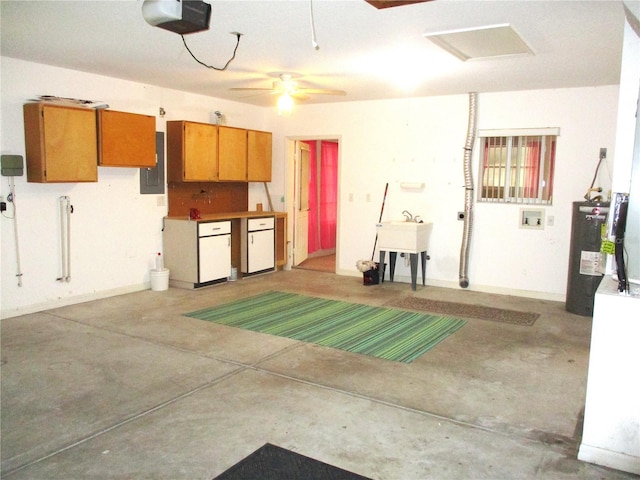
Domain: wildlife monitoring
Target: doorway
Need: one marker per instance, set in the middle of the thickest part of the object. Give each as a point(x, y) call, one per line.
point(313, 185)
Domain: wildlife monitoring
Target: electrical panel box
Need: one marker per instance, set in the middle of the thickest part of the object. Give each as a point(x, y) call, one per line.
point(152, 179)
point(12, 165)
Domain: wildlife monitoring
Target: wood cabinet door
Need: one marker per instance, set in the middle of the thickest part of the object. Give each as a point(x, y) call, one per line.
point(232, 154)
point(200, 152)
point(61, 143)
point(126, 139)
point(259, 153)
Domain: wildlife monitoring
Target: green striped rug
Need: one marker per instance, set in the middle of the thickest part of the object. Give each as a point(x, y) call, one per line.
point(386, 333)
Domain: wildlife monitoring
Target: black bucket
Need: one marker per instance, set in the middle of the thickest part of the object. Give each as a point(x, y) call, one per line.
point(371, 277)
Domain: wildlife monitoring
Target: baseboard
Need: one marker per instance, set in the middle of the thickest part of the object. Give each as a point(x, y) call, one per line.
point(65, 302)
point(609, 458)
point(554, 297)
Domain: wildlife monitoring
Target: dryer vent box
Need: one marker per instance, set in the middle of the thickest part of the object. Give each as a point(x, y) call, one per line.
point(12, 165)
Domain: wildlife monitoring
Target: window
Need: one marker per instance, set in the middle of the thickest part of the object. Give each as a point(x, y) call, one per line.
point(517, 165)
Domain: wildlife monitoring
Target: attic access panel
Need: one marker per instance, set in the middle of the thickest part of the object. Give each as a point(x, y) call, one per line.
point(380, 4)
point(481, 42)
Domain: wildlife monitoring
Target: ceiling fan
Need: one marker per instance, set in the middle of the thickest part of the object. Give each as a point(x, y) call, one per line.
point(288, 89)
point(380, 4)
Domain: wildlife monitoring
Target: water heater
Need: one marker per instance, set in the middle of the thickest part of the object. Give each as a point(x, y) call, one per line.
point(586, 264)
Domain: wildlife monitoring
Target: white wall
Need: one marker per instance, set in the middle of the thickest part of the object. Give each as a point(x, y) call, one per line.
point(115, 231)
point(611, 433)
point(422, 140)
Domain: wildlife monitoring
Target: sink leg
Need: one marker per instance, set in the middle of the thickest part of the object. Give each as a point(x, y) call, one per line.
point(423, 257)
point(381, 266)
point(413, 258)
point(392, 264)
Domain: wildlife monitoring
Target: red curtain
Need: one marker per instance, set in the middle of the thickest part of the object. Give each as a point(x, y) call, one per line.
point(314, 238)
point(328, 195)
point(532, 169)
point(323, 195)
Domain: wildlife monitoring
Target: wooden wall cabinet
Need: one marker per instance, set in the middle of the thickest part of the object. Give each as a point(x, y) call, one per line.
point(192, 152)
point(60, 143)
point(259, 153)
point(232, 154)
point(244, 155)
point(126, 139)
point(202, 152)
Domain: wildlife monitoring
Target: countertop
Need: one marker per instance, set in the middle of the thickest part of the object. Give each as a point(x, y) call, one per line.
point(228, 216)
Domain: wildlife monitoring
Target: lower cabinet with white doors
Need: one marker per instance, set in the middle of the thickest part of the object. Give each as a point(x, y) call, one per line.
point(197, 253)
point(258, 245)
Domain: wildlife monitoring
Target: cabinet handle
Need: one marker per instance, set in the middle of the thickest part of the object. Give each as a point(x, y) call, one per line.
point(251, 239)
point(228, 242)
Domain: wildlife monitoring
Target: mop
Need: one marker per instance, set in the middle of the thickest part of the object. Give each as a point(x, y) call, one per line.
point(366, 265)
point(384, 200)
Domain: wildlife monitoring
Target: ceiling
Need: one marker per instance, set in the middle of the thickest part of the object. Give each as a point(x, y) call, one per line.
point(369, 53)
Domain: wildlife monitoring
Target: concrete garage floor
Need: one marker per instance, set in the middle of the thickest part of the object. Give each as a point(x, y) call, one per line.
point(127, 387)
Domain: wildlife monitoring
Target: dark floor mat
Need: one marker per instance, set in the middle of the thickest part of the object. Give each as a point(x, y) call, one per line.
point(270, 462)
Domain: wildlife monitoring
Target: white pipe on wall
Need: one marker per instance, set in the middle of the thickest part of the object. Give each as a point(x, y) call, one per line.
point(65, 238)
point(12, 199)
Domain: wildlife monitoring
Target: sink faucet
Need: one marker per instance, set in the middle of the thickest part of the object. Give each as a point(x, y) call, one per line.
point(407, 216)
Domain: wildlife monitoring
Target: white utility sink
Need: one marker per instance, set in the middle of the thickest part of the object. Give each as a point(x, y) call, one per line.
point(404, 237)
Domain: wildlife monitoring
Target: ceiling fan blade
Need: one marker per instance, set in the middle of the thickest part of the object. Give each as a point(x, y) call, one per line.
point(286, 84)
point(300, 96)
point(322, 91)
point(380, 4)
point(250, 89)
point(261, 94)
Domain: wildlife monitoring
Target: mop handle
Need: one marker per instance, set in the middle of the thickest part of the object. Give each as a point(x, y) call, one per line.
point(384, 200)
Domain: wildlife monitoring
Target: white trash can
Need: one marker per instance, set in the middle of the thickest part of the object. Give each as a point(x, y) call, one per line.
point(160, 280)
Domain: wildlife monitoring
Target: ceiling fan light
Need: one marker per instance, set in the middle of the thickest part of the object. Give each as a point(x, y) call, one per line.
point(285, 103)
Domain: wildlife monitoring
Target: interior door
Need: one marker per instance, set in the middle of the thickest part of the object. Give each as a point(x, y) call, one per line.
point(301, 226)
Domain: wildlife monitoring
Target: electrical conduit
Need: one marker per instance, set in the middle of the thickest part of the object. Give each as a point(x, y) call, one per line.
point(468, 192)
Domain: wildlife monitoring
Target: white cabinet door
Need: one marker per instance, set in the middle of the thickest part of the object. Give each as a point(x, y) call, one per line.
point(260, 250)
point(214, 258)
